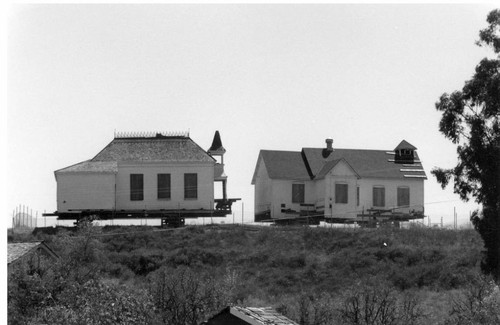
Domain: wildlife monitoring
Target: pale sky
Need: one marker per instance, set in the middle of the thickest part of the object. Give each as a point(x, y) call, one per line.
point(278, 77)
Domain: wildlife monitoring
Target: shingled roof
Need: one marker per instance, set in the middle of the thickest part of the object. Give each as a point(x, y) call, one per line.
point(315, 163)
point(254, 316)
point(91, 167)
point(157, 148)
point(284, 165)
point(161, 149)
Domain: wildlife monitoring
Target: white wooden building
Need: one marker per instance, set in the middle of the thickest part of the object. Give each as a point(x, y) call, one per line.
point(339, 185)
point(152, 175)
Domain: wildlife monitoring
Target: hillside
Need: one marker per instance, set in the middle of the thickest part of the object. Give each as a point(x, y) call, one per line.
point(288, 268)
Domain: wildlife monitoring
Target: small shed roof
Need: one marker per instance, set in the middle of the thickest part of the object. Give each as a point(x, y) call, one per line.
point(255, 316)
point(16, 251)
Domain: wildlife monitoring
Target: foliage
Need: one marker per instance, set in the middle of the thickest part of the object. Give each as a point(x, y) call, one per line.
point(471, 120)
point(96, 303)
point(379, 305)
point(303, 272)
point(310, 308)
point(478, 304)
point(182, 297)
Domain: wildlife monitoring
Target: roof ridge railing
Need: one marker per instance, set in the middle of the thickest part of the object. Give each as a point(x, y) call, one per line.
point(151, 134)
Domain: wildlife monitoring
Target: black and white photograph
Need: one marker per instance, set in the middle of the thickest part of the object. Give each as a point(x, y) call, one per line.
point(251, 163)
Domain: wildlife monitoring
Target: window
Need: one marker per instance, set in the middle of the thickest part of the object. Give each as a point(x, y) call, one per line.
point(378, 196)
point(136, 187)
point(357, 196)
point(163, 186)
point(297, 193)
point(340, 193)
point(190, 186)
point(403, 196)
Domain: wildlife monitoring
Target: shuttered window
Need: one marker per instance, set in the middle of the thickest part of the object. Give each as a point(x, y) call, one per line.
point(136, 187)
point(379, 196)
point(340, 193)
point(190, 186)
point(163, 186)
point(297, 193)
point(403, 196)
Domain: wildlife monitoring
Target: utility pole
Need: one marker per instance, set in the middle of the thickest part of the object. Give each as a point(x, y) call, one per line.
point(242, 212)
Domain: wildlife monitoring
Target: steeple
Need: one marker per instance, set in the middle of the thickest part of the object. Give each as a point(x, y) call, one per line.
point(216, 148)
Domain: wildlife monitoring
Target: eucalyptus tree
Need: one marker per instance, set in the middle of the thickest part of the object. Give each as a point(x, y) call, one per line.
point(470, 119)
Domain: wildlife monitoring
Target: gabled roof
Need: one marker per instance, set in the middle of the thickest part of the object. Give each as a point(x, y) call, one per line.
point(16, 251)
point(283, 165)
point(315, 163)
point(327, 167)
point(153, 149)
point(255, 316)
point(405, 145)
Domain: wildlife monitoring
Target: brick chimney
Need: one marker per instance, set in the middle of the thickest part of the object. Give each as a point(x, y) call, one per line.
point(329, 144)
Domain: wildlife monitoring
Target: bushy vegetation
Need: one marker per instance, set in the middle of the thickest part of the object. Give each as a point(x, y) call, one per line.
point(147, 275)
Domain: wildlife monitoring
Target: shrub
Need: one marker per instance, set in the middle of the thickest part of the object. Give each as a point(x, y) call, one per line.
point(379, 305)
point(479, 303)
point(182, 297)
point(97, 303)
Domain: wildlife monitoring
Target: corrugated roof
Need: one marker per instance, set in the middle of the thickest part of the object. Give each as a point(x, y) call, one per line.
point(161, 149)
point(313, 163)
point(262, 315)
point(18, 250)
point(91, 167)
point(15, 251)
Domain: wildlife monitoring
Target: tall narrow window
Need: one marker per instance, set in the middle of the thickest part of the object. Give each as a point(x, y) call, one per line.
point(190, 186)
point(298, 193)
point(163, 186)
point(340, 193)
point(136, 187)
point(378, 196)
point(357, 196)
point(403, 196)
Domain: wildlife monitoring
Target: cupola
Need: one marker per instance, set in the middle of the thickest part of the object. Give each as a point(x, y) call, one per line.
point(405, 153)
